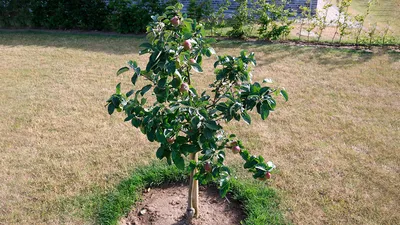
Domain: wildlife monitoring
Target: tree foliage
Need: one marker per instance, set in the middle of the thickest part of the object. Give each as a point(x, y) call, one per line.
point(183, 120)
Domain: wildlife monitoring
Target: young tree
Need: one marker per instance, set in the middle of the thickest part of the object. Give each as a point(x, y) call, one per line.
point(360, 19)
point(185, 122)
point(304, 16)
point(385, 34)
point(273, 19)
point(321, 20)
point(371, 33)
point(217, 18)
point(240, 20)
point(343, 19)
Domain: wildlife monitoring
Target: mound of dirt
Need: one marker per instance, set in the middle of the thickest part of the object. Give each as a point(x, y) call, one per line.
point(167, 205)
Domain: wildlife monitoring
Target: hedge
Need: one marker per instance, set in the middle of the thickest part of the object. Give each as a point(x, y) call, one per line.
point(122, 16)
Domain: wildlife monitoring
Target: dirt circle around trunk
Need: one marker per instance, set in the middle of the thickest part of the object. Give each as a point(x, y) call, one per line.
point(167, 205)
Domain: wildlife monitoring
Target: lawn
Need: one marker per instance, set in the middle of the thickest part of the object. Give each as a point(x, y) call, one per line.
point(335, 143)
point(383, 12)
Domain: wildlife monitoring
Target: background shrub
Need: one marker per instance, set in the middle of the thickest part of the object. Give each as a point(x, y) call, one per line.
point(118, 15)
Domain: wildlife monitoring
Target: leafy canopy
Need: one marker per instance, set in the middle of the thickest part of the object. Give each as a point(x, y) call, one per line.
point(181, 119)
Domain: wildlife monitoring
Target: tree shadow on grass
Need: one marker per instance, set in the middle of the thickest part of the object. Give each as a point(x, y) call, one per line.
point(112, 43)
point(93, 42)
point(394, 56)
point(327, 56)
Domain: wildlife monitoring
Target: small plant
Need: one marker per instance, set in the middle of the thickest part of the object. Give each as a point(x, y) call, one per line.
point(274, 19)
point(371, 34)
point(199, 9)
point(385, 35)
point(360, 19)
point(343, 19)
point(304, 15)
point(311, 26)
point(310, 20)
point(321, 21)
point(185, 122)
point(217, 18)
point(240, 20)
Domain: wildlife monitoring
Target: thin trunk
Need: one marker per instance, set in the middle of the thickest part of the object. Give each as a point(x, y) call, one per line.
point(301, 28)
point(334, 35)
point(193, 193)
point(358, 37)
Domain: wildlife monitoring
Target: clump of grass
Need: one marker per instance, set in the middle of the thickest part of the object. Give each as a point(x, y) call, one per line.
point(260, 202)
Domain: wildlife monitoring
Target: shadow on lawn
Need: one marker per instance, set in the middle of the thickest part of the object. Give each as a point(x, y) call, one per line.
point(129, 44)
point(328, 56)
point(94, 42)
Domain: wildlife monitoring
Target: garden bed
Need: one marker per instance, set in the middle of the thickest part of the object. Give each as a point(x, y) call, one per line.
point(167, 205)
point(157, 193)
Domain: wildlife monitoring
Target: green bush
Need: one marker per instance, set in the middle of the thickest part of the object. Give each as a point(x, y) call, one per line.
point(239, 20)
point(119, 15)
point(15, 13)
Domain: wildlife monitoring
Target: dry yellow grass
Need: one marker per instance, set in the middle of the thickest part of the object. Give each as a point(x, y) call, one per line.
point(336, 142)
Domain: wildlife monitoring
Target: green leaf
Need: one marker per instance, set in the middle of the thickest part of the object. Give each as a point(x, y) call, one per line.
point(110, 108)
point(133, 64)
point(118, 89)
point(224, 186)
point(250, 164)
point(115, 101)
point(285, 94)
point(212, 125)
point(208, 133)
point(260, 166)
point(176, 82)
point(246, 117)
point(145, 89)
point(161, 83)
point(160, 135)
point(146, 45)
point(122, 70)
point(160, 152)
point(136, 122)
point(245, 155)
point(178, 160)
point(151, 135)
point(212, 51)
point(187, 35)
point(196, 67)
point(264, 111)
point(195, 121)
point(134, 78)
point(129, 93)
point(189, 148)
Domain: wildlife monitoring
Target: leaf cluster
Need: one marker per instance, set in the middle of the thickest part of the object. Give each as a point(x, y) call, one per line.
point(182, 120)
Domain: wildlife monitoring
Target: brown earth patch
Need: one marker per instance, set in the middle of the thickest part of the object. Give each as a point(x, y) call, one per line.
point(167, 206)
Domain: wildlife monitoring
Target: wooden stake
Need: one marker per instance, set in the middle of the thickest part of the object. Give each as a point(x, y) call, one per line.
point(195, 189)
point(190, 212)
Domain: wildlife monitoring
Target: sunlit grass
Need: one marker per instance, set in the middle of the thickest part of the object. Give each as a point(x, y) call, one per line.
point(335, 142)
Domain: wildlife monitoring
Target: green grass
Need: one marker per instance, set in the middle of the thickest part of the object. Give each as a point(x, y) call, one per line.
point(335, 142)
point(383, 13)
point(119, 201)
point(260, 202)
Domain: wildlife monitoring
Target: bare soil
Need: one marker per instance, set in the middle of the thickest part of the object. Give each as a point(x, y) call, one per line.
point(167, 206)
